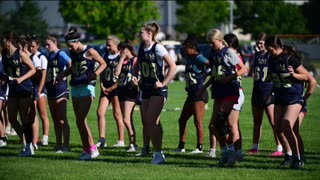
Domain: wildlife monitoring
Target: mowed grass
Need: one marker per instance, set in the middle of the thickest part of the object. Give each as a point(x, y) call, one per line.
point(116, 163)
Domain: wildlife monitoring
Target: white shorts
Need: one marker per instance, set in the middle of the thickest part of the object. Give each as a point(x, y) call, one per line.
point(238, 106)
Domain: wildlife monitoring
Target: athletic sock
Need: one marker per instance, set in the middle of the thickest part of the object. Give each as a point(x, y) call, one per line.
point(231, 147)
point(181, 145)
point(255, 146)
point(93, 147)
point(199, 146)
point(4, 139)
point(279, 148)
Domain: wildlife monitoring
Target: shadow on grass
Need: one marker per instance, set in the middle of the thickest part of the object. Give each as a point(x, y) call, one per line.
point(260, 161)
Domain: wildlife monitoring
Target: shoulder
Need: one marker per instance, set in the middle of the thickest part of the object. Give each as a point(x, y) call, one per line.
point(160, 49)
point(63, 55)
point(294, 61)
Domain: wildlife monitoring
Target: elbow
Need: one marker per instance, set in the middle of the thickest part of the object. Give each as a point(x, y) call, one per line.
point(313, 81)
point(103, 65)
point(33, 71)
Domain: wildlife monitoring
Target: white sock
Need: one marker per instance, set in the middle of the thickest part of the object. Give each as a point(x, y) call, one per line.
point(289, 153)
point(279, 148)
point(212, 150)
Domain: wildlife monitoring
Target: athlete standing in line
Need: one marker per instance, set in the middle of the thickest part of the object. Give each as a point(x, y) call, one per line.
point(40, 91)
point(109, 93)
point(195, 102)
point(58, 93)
point(151, 59)
point(19, 69)
point(262, 98)
point(127, 92)
point(83, 79)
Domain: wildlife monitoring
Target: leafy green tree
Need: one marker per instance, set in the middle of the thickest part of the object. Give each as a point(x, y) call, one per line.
point(102, 18)
point(27, 19)
point(272, 17)
point(197, 17)
point(310, 10)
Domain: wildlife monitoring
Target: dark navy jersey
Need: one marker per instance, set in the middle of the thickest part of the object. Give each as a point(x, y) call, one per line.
point(126, 90)
point(126, 74)
point(54, 68)
point(82, 68)
point(287, 89)
point(220, 68)
point(107, 76)
point(151, 70)
point(261, 66)
point(14, 67)
point(195, 75)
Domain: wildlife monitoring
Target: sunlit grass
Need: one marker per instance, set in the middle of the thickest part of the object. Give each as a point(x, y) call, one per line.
point(118, 164)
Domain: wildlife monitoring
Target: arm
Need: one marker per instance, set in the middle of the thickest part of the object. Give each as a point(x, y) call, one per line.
point(26, 61)
point(96, 57)
point(65, 72)
point(135, 74)
point(299, 73)
point(117, 70)
point(311, 86)
point(241, 71)
point(172, 68)
point(42, 80)
point(233, 58)
point(44, 63)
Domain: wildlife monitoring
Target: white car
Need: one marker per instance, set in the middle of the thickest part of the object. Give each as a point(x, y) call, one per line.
point(180, 73)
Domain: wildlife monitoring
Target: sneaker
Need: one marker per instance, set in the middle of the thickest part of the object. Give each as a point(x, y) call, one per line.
point(211, 154)
point(58, 150)
point(3, 143)
point(253, 151)
point(232, 158)
point(239, 156)
point(183, 150)
point(101, 144)
point(13, 132)
point(144, 152)
point(276, 154)
point(287, 161)
point(119, 144)
point(8, 131)
point(27, 152)
point(93, 154)
point(66, 149)
point(297, 163)
point(132, 148)
point(196, 151)
point(44, 141)
point(158, 158)
point(35, 146)
point(224, 158)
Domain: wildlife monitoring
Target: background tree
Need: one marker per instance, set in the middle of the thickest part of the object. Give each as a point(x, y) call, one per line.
point(197, 17)
point(272, 17)
point(310, 10)
point(26, 19)
point(102, 18)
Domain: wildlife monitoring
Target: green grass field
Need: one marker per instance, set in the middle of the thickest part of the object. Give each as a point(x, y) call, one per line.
point(118, 164)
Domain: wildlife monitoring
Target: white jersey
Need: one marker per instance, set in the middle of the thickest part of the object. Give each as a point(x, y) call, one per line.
point(43, 60)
